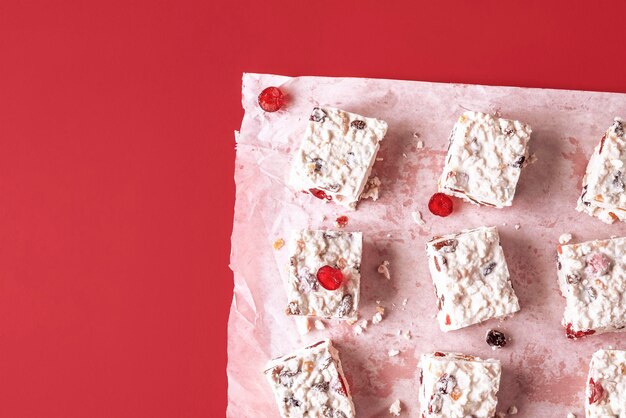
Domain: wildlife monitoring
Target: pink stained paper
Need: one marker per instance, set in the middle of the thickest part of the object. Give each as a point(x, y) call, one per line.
point(543, 372)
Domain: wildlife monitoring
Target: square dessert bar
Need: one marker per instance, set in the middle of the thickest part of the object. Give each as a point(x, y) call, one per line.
point(457, 385)
point(485, 157)
point(592, 278)
point(471, 278)
point(324, 274)
point(606, 385)
point(310, 383)
point(336, 156)
point(603, 194)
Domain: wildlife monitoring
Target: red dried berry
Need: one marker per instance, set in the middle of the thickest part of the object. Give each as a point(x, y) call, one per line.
point(440, 205)
point(571, 334)
point(595, 391)
point(448, 322)
point(341, 221)
point(271, 99)
point(329, 277)
point(320, 194)
point(599, 264)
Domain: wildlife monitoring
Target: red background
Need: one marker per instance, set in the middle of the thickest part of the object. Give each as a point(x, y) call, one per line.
point(117, 154)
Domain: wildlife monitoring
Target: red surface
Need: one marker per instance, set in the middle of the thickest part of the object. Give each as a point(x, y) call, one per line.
point(117, 154)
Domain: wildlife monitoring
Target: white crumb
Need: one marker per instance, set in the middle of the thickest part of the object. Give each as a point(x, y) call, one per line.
point(420, 144)
point(517, 226)
point(405, 301)
point(393, 352)
point(532, 159)
point(319, 324)
point(570, 415)
point(372, 188)
point(512, 410)
point(395, 408)
point(500, 415)
point(407, 334)
point(377, 318)
point(404, 155)
point(303, 324)
point(416, 134)
point(379, 159)
point(363, 324)
point(352, 321)
point(503, 223)
point(358, 330)
point(565, 238)
point(377, 302)
point(384, 269)
point(417, 217)
point(388, 235)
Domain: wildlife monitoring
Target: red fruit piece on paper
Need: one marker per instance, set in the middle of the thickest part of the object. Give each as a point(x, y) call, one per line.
point(271, 99)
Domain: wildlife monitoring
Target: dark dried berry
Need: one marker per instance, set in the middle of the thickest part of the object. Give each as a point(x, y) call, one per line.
point(508, 131)
point(345, 306)
point(293, 309)
point(445, 384)
point(318, 164)
point(618, 182)
point(292, 402)
point(318, 115)
point(618, 127)
point(358, 124)
point(590, 294)
point(439, 354)
point(446, 246)
point(421, 376)
point(519, 162)
point(321, 387)
point(495, 338)
point(488, 269)
point(572, 278)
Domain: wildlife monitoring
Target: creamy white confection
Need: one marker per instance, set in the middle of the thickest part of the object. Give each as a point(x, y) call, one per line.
point(471, 278)
point(485, 158)
point(454, 385)
point(603, 194)
point(310, 383)
point(606, 385)
point(592, 278)
point(310, 250)
point(336, 156)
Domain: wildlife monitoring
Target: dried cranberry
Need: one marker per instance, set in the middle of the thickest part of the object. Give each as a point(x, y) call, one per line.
point(318, 115)
point(440, 205)
point(329, 277)
point(421, 376)
point(445, 384)
point(573, 335)
point(358, 124)
point(595, 391)
point(599, 264)
point(439, 354)
point(271, 99)
point(519, 162)
point(496, 338)
point(488, 269)
point(341, 221)
point(293, 402)
point(448, 322)
point(320, 194)
point(572, 278)
point(446, 246)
